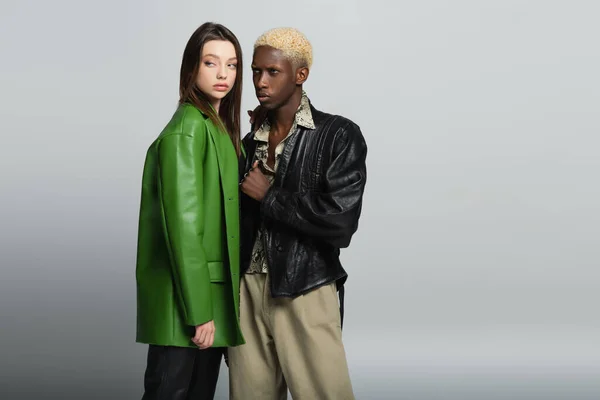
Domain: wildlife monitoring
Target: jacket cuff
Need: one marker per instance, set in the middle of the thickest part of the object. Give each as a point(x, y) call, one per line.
point(270, 207)
point(201, 317)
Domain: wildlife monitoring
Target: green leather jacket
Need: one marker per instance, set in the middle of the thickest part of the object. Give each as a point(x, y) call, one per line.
point(187, 269)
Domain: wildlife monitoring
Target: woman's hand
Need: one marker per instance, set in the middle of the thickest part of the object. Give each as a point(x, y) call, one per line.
point(205, 335)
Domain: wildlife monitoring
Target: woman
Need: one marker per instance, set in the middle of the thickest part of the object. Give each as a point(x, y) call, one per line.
point(188, 241)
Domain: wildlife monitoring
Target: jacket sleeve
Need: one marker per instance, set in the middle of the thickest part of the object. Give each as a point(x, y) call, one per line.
point(181, 195)
point(330, 215)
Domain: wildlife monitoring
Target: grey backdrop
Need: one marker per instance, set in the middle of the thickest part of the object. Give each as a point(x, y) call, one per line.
point(475, 271)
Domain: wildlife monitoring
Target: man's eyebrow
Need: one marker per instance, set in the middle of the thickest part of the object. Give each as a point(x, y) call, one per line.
point(269, 66)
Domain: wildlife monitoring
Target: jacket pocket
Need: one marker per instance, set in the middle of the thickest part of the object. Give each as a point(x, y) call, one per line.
point(216, 271)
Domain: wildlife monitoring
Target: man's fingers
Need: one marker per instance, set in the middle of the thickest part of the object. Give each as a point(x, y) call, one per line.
point(250, 180)
point(246, 188)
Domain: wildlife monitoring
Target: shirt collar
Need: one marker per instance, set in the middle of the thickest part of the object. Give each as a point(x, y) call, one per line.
point(304, 114)
point(303, 117)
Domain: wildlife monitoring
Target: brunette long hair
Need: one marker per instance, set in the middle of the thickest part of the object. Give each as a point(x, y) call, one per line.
point(229, 110)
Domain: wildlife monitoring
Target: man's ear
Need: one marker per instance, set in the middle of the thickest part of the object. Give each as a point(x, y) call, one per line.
point(301, 75)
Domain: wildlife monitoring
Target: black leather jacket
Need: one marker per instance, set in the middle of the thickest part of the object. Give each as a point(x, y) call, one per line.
point(312, 208)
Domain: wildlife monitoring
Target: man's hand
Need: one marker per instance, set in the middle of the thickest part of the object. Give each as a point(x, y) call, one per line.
point(205, 335)
point(255, 183)
point(257, 117)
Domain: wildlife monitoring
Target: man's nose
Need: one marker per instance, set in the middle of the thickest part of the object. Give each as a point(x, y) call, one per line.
point(262, 81)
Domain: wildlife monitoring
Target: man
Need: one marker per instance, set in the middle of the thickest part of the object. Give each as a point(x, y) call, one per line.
point(301, 201)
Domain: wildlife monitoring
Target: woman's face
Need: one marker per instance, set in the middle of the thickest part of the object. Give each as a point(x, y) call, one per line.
point(218, 68)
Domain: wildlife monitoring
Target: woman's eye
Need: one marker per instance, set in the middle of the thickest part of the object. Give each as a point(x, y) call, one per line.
point(209, 64)
point(232, 66)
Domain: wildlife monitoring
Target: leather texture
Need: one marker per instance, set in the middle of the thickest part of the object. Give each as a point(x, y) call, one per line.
point(313, 207)
point(187, 269)
point(181, 373)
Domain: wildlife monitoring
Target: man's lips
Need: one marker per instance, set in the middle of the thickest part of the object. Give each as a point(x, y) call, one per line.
point(262, 96)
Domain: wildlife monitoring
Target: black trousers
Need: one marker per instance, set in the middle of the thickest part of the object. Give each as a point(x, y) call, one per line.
point(181, 373)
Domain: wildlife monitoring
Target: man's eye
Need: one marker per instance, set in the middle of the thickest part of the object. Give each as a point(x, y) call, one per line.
point(273, 71)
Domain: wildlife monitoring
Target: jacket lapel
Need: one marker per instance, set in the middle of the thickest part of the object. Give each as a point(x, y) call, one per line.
point(228, 172)
point(286, 156)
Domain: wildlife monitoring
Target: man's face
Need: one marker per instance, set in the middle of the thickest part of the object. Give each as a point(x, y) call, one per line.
point(273, 76)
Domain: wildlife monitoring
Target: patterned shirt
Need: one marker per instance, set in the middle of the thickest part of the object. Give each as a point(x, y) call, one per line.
point(303, 117)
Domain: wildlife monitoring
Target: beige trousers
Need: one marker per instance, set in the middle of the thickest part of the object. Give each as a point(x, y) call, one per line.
point(293, 344)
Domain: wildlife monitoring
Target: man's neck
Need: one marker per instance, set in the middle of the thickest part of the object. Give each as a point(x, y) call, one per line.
point(282, 118)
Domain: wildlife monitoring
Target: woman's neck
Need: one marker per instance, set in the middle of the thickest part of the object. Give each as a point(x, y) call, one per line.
point(216, 104)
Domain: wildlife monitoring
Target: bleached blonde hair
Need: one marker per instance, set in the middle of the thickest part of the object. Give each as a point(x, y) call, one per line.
point(294, 45)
